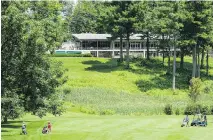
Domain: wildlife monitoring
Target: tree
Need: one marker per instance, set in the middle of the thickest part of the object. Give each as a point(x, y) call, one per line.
point(29, 77)
point(108, 20)
point(122, 19)
point(196, 28)
point(84, 18)
point(169, 16)
point(145, 19)
point(195, 89)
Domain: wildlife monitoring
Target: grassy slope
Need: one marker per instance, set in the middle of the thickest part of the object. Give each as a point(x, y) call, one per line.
point(104, 73)
point(78, 126)
point(82, 73)
point(94, 82)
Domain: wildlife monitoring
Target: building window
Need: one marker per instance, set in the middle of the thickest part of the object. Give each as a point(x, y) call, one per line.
point(103, 45)
point(135, 45)
point(117, 45)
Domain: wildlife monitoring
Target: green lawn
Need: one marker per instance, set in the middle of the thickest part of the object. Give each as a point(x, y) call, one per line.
point(105, 73)
point(78, 126)
point(99, 85)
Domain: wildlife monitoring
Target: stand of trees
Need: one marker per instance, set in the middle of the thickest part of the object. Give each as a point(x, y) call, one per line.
point(30, 29)
point(185, 25)
point(29, 77)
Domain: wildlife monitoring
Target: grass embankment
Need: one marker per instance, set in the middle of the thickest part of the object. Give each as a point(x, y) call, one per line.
point(101, 86)
point(76, 126)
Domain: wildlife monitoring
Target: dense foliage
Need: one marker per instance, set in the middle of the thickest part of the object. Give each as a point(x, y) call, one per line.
point(29, 78)
point(184, 25)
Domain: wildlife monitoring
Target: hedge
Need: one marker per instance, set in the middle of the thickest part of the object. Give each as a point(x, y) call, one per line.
point(70, 55)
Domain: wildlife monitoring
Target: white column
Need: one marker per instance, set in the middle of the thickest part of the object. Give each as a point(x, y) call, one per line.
point(130, 45)
point(113, 47)
point(81, 44)
point(97, 53)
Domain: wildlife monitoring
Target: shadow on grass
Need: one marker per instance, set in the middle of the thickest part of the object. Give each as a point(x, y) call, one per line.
point(152, 66)
point(91, 62)
point(155, 67)
point(162, 82)
point(12, 124)
point(4, 131)
point(106, 67)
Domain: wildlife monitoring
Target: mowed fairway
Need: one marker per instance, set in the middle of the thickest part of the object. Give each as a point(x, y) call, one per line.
point(78, 126)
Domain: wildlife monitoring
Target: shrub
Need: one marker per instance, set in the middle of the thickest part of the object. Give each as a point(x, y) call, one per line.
point(205, 110)
point(87, 110)
point(207, 88)
point(56, 105)
point(66, 90)
point(41, 112)
point(211, 110)
point(107, 112)
point(70, 55)
point(189, 110)
point(192, 109)
point(177, 111)
point(168, 109)
point(195, 88)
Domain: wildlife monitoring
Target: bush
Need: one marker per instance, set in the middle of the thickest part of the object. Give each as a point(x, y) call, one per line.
point(195, 89)
point(70, 55)
point(107, 112)
point(177, 111)
point(211, 110)
point(197, 108)
point(192, 109)
point(87, 110)
point(207, 88)
point(205, 110)
point(168, 109)
point(152, 63)
point(66, 90)
point(41, 112)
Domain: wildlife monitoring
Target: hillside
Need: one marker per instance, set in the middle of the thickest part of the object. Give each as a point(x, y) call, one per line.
point(100, 85)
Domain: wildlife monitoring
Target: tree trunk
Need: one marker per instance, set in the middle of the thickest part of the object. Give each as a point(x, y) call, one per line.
point(127, 52)
point(202, 58)
point(169, 62)
point(5, 119)
point(163, 48)
point(163, 56)
point(198, 63)
point(194, 61)
point(121, 49)
point(147, 45)
point(174, 67)
point(181, 57)
point(207, 62)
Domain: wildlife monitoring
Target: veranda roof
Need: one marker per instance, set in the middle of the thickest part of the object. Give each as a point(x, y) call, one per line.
point(90, 36)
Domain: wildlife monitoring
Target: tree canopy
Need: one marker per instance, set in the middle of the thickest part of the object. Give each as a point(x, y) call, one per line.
point(29, 77)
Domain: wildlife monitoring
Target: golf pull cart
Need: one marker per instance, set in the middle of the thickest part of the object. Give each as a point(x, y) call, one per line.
point(199, 121)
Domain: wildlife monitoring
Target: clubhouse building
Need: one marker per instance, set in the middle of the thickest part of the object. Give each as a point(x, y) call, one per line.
point(101, 45)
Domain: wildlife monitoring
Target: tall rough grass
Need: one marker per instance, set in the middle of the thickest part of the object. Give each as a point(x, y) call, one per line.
point(99, 100)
